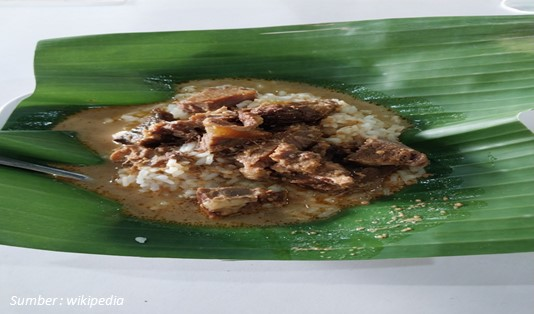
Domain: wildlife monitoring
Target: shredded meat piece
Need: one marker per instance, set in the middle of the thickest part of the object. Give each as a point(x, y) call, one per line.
point(279, 114)
point(214, 98)
point(376, 152)
point(227, 201)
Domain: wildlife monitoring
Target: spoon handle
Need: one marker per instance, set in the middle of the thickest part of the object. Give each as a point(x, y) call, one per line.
point(41, 168)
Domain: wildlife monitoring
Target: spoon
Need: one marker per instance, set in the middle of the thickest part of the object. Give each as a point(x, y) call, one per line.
point(41, 168)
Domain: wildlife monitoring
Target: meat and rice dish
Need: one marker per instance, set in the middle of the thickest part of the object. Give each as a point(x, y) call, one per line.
point(248, 152)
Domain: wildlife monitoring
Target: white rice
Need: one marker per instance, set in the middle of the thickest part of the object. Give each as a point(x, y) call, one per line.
point(181, 176)
point(348, 123)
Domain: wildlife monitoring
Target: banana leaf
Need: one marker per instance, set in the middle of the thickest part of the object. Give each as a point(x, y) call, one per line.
point(460, 81)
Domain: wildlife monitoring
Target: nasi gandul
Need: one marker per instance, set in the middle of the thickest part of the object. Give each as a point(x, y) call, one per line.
point(248, 152)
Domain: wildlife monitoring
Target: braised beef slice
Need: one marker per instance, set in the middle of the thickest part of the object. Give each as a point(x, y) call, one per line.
point(376, 152)
point(214, 98)
point(308, 169)
point(227, 201)
point(279, 114)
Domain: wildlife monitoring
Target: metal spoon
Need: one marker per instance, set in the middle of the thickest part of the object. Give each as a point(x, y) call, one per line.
point(41, 168)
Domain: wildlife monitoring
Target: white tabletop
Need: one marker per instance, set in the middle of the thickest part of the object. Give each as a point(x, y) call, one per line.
point(473, 284)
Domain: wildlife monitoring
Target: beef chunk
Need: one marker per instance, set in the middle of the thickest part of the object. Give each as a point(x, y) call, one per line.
point(323, 149)
point(226, 201)
point(214, 98)
point(158, 128)
point(338, 152)
point(187, 130)
point(172, 133)
point(278, 114)
point(127, 137)
point(134, 154)
point(330, 177)
point(375, 152)
point(223, 135)
point(249, 119)
point(301, 135)
point(371, 176)
point(256, 161)
point(155, 132)
point(137, 134)
point(131, 153)
point(161, 133)
point(221, 114)
point(290, 160)
point(308, 169)
point(160, 114)
point(286, 161)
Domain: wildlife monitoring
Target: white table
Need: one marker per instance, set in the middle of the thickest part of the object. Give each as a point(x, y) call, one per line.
point(474, 284)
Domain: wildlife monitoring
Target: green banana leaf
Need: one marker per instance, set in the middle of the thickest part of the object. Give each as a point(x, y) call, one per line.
point(461, 81)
